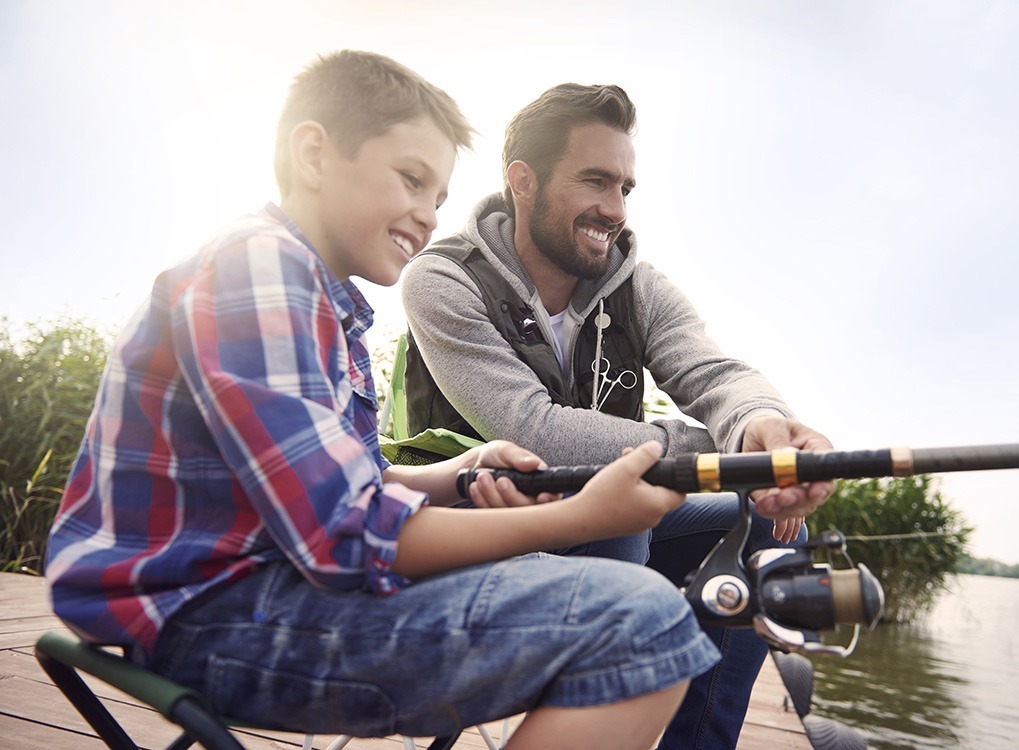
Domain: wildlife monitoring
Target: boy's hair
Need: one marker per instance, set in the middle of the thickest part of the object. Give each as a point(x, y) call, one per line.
point(360, 95)
point(539, 134)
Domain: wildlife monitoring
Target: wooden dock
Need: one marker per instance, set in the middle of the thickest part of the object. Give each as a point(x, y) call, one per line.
point(34, 714)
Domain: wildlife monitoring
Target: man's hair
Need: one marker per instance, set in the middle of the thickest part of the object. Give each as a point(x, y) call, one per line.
point(360, 95)
point(539, 134)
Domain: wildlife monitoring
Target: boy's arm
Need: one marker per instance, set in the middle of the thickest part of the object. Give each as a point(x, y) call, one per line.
point(439, 539)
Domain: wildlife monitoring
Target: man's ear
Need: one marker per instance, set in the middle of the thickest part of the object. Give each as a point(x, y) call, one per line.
point(308, 145)
point(522, 182)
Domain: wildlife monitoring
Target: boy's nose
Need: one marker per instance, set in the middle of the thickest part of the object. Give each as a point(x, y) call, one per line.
point(425, 214)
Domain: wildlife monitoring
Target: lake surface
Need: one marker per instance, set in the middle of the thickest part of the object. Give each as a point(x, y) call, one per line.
point(949, 681)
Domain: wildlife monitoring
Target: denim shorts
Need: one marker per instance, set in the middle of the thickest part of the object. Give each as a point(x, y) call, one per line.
point(444, 653)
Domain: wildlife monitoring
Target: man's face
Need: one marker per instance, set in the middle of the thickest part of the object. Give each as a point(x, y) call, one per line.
point(378, 207)
point(581, 209)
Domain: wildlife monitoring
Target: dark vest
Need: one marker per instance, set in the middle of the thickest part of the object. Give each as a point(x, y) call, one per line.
point(517, 323)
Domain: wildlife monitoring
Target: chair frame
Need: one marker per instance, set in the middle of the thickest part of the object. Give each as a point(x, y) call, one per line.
point(64, 656)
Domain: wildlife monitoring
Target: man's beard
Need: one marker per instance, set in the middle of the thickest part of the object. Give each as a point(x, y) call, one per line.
point(560, 247)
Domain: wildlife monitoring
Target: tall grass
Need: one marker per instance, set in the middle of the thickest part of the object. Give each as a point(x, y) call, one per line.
point(905, 531)
point(48, 381)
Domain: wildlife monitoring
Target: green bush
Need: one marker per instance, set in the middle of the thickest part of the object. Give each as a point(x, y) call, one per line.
point(909, 536)
point(48, 381)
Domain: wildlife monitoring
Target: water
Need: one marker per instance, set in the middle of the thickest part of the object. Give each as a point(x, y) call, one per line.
point(950, 681)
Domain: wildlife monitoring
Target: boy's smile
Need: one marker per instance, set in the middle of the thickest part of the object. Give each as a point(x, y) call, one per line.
point(376, 210)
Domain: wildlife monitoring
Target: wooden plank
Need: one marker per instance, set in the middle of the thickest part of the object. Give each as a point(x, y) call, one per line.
point(24, 632)
point(23, 596)
point(18, 733)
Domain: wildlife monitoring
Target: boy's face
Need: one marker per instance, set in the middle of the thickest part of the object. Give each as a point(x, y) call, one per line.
point(377, 209)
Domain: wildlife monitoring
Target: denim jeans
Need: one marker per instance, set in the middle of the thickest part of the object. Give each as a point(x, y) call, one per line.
point(711, 716)
point(444, 653)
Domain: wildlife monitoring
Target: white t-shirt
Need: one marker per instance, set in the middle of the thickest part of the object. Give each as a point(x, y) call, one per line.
point(560, 338)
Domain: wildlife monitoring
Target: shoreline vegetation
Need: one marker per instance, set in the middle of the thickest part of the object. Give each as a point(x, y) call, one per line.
point(49, 374)
point(985, 566)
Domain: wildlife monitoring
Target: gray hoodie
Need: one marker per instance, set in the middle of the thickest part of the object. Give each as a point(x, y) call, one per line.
point(482, 377)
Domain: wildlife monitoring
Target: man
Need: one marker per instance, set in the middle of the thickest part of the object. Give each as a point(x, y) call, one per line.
point(535, 324)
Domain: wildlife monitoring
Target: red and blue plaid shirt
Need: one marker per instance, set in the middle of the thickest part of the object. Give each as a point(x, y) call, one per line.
point(235, 425)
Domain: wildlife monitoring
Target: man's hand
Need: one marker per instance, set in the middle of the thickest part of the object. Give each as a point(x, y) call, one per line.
point(788, 506)
point(486, 492)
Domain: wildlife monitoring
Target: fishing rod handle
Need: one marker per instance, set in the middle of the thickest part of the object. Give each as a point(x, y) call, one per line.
point(711, 472)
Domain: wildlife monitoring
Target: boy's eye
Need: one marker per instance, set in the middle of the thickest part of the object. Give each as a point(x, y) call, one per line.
point(412, 180)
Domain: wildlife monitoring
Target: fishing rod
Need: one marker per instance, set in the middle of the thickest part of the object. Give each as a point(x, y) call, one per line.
point(781, 592)
point(713, 472)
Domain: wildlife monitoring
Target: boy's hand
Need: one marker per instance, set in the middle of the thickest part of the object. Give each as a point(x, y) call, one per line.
point(486, 492)
point(618, 502)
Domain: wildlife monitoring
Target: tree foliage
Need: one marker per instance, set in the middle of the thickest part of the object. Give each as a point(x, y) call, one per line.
point(48, 381)
point(905, 531)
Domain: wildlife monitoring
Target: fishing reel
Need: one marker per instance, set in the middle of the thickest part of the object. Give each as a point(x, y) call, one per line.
point(783, 593)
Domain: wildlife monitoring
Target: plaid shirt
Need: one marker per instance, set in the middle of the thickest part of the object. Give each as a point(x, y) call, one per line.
point(235, 425)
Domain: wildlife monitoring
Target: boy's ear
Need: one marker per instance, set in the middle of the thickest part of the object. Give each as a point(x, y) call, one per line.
point(522, 182)
point(308, 145)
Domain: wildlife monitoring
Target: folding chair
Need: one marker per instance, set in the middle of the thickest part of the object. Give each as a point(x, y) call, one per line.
point(63, 656)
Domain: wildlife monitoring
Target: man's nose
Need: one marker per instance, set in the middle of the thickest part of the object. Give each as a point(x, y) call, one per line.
point(613, 206)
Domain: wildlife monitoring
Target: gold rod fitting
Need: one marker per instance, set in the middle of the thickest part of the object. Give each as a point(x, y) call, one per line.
point(709, 475)
point(902, 462)
point(783, 466)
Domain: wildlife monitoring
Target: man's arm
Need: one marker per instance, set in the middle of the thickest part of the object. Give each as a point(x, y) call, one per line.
point(487, 383)
point(483, 378)
point(723, 393)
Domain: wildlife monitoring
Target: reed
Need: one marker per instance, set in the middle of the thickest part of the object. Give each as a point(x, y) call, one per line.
point(905, 531)
point(48, 381)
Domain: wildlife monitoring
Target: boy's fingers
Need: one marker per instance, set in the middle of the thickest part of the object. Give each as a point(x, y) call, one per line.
point(643, 456)
point(507, 454)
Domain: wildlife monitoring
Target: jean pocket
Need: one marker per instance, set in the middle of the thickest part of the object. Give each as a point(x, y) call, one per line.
point(296, 702)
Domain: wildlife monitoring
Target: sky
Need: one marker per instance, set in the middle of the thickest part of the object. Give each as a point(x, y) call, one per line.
point(833, 183)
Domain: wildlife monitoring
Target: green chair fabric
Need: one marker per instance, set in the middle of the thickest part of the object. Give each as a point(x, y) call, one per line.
point(398, 446)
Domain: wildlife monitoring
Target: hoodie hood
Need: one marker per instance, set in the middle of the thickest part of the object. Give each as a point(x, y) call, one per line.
point(491, 228)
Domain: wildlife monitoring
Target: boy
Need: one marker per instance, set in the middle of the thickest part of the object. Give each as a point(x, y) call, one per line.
point(230, 519)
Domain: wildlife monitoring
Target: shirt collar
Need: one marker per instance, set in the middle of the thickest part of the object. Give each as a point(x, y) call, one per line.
point(356, 315)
